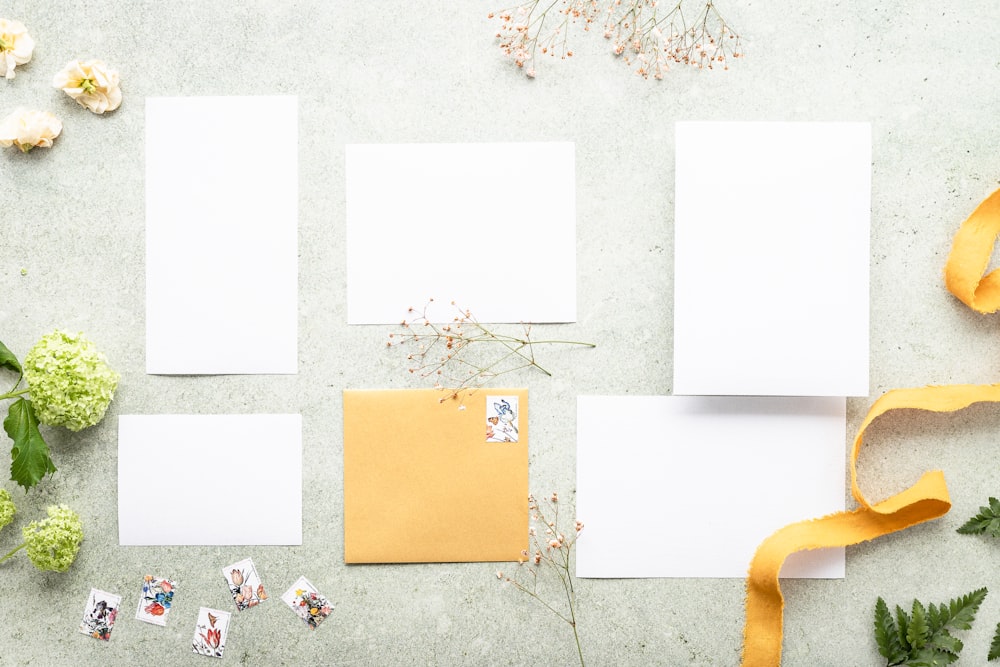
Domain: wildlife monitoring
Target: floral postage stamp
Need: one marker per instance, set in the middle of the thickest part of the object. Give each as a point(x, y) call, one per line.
point(210, 632)
point(501, 419)
point(154, 603)
point(244, 584)
point(100, 613)
point(307, 603)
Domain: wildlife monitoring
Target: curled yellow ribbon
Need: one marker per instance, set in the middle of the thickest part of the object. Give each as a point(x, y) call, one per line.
point(926, 500)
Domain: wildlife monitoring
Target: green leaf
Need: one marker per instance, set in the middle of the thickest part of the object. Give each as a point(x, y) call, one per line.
point(930, 657)
point(987, 521)
point(918, 633)
point(995, 644)
point(945, 642)
point(923, 638)
point(963, 610)
point(8, 360)
point(902, 624)
point(936, 617)
point(30, 455)
point(886, 636)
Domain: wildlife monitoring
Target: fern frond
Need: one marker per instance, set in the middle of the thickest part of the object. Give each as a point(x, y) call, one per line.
point(986, 522)
point(995, 644)
point(923, 637)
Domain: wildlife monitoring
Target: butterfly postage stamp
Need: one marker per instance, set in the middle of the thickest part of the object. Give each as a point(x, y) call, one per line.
point(100, 613)
point(307, 603)
point(244, 583)
point(210, 632)
point(501, 419)
point(155, 600)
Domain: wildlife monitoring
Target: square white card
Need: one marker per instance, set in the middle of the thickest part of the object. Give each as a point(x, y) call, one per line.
point(685, 486)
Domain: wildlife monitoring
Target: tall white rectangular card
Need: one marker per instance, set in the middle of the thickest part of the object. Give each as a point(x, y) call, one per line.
point(688, 486)
point(209, 479)
point(771, 258)
point(221, 235)
point(489, 226)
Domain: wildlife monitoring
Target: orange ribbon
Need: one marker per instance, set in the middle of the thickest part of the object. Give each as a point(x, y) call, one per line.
point(926, 500)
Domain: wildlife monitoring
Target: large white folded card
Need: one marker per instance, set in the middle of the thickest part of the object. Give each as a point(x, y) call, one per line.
point(221, 235)
point(771, 261)
point(689, 486)
point(209, 479)
point(489, 226)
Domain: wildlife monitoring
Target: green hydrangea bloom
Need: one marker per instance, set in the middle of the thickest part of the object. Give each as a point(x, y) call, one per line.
point(52, 543)
point(70, 381)
point(7, 508)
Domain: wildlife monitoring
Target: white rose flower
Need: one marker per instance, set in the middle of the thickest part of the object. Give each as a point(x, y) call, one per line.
point(92, 84)
point(28, 129)
point(16, 46)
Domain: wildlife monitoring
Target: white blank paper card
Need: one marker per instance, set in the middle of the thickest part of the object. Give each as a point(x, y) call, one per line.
point(689, 486)
point(209, 479)
point(491, 227)
point(221, 235)
point(771, 257)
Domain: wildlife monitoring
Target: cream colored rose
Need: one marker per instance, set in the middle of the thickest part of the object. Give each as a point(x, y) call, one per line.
point(16, 46)
point(27, 129)
point(92, 83)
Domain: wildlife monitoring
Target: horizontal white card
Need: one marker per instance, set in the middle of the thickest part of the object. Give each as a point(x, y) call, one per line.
point(491, 227)
point(209, 479)
point(221, 235)
point(771, 258)
point(685, 486)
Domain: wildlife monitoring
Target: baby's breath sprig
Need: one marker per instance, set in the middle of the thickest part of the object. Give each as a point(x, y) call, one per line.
point(465, 354)
point(642, 33)
point(653, 41)
point(550, 550)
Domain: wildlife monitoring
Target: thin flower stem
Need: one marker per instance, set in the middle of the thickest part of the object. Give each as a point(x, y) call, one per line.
point(13, 552)
point(441, 351)
point(501, 338)
point(519, 586)
point(12, 394)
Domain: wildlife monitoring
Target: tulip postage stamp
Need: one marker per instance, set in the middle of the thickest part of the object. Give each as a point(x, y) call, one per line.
point(244, 583)
point(100, 613)
point(307, 603)
point(210, 632)
point(155, 600)
point(501, 419)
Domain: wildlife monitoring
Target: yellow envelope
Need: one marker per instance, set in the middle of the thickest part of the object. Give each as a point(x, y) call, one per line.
point(423, 485)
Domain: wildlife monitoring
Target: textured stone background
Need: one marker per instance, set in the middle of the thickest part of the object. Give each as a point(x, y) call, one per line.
point(927, 76)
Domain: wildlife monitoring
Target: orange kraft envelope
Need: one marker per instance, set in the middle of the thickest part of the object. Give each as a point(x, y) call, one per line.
point(423, 485)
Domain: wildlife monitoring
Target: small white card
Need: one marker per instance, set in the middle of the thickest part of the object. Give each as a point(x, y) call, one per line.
point(489, 226)
point(209, 479)
point(771, 255)
point(686, 486)
point(221, 235)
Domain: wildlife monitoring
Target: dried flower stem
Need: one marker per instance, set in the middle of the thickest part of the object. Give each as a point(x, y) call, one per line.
point(442, 351)
point(550, 550)
point(641, 34)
